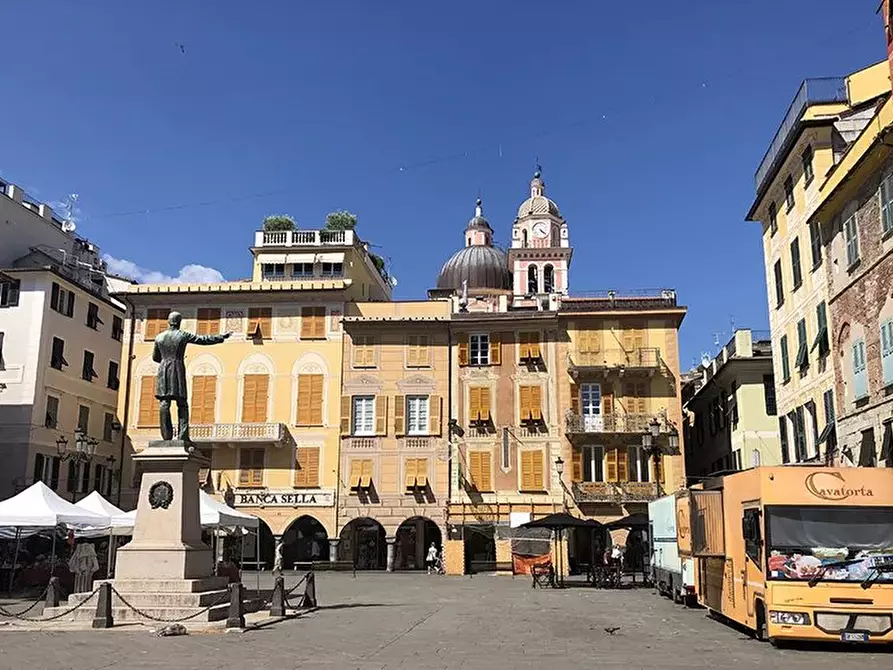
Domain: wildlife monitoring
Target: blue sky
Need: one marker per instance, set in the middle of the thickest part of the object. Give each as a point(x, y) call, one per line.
point(648, 118)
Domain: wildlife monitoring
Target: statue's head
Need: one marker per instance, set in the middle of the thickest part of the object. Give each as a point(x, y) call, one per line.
point(174, 319)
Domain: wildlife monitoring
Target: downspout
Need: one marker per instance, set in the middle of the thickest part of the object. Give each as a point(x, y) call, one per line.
point(126, 415)
point(449, 419)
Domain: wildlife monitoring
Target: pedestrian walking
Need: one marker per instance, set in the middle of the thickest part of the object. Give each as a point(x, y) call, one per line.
point(431, 558)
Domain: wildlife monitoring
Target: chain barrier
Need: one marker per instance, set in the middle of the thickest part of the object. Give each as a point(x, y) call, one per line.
point(40, 598)
point(223, 598)
point(286, 594)
point(55, 616)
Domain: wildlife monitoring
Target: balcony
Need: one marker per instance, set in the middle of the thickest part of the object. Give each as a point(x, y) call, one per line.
point(304, 238)
point(362, 443)
point(619, 492)
point(574, 424)
point(239, 432)
point(644, 360)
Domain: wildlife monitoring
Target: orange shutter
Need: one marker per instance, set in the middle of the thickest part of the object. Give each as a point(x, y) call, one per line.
point(486, 482)
point(577, 469)
point(641, 398)
point(366, 478)
point(346, 409)
point(356, 473)
point(523, 346)
point(660, 475)
point(399, 415)
point(410, 478)
point(156, 321)
point(622, 464)
point(524, 393)
point(474, 468)
point(536, 403)
point(537, 458)
point(305, 406)
point(317, 383)
point(251, 467)
point(527, 471)
point(255, 394)
point(208, 321)
point(583, 341)
point(611, 465)
point(434, 406)
point(313, 323)
point(575, 398)
point(534, 346)
point(474, 404)
point(307, 467)
point(485, 403)
point(607, 400)
point(421, 472)
point(148, 414)
point(424, 355)
point(412, 351)
point(204, 399)
point(495, 349)
point(463, 349)
point(381, 415)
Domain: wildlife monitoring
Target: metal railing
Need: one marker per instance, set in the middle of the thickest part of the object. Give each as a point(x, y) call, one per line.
point(811, 92)
point(643, 357)
point(612, 423)
point(304, 238)
point(615, 492)
point(238, 432)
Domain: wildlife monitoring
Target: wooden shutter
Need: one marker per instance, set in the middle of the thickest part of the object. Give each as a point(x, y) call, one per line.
point(346, 411)
point(255, 393)
point(641, 398)
point(485, 403)
point(608, 404)
point(583, 341)
point(208, 321)
point(524, 393)
point(399, 415)
point(307, 467)
point(536, 403)
point(260, 322)
point(381, 415)
point(595, 341)
point(474, 468)
point(251, 467)
point(577, 467)
point(463, 349)
point(533, 345)
point(313, 323)
point(495, 349)
point(622, 464)
point(366, 478)
point(421, 472)
point(434, 412)
point(660, 466)
point(412, 351)
point(527, 471)
point(310, 392)
point(474, 403)
point(356, 473)
point(148, 415)
point(611, 465)
point(410, 478)
point(204, 399)
point(575, 399)
point(155, 321)
point(317, 384)
point(523, 346)
point(537, 458)
point(486, 477)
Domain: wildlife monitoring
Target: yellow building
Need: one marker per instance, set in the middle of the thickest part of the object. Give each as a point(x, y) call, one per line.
point(265, 404)
point(824, 117)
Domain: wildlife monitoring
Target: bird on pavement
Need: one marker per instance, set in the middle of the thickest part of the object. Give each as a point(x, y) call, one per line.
point(612, 629)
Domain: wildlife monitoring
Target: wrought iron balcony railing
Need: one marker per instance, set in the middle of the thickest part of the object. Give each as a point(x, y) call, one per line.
point(574, 424)
point(609, 359)
point(616, 492)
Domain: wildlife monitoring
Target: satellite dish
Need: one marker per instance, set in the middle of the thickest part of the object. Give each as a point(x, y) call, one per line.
point(68, 226)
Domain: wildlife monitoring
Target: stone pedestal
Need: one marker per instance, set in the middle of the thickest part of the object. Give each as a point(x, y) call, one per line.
point(392, 553)
point(333, 549)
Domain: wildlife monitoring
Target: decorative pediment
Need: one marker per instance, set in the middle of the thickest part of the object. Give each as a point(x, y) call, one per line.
point(417, 383)
point(363, 384)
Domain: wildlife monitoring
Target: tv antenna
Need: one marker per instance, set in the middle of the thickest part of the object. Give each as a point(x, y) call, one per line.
point(68, 224)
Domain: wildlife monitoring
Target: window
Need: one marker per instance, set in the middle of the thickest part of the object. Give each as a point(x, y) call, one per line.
point(62, 300)
point(306, 467)
point(117, 328)
point(815, 244)
point(867, 449)
point(506, 450)
point(593, 463)
point(769, 395)
point(310, 395)
point(796, 274)
point(100, 477)
point(273, 270)
point(814, 420)
point(799, 425)
point(416, 475)
point(548, 278)
point(479, 470)
point(208, 321)
point(530, 403)
point(87, 371)
point(753, 536)
point(828, 403)
point(802, 361)
point(108, 427)
point(57, 358)
point(363, 415)
point(779, 285)
point(204, 399)
point(52, 414)
point(360, 474)
point(148, 415)
point(479, 404)
point(251, 467)
point(93, 320)
point(156, 321)
point(821, 338)
point(773, 218)
point(789, 193)
point(260, 322)
point(78, 477)
point(532, 471)
point(2, 363)
point(46, 470)
point(255, 397)
point(851, 235)
point(417, 351)
point(785, 362)
point(533, 284)
point(112, 380)
point(808, 172)
point(860, 374)
point(332, 269)
point(313, 323)
point(638, 465)
point(9, 293)
point(783, 439)
point(887, 205)
point(417, 414)
point(529, 347)
point(479, 349)
point(364, 351)
point(887, 352)
point(302, 270)
point(83, 419)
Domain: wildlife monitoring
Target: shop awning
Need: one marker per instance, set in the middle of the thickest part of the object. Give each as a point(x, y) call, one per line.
point(330, 258)
point(300, 258)
point(271, 258)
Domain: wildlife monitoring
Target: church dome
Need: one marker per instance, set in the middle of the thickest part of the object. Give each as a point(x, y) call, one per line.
point(538, 203)
point(481, 266)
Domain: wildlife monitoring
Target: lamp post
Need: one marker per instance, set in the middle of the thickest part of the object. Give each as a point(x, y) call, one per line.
point(649, 442)
point(559, 468)
point(83, 453)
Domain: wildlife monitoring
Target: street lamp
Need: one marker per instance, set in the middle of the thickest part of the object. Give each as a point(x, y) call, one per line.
point(559, 468)
point(649, 442)
point(83, 453)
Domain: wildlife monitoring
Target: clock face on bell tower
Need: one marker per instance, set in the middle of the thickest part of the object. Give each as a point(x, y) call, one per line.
point(540, 230)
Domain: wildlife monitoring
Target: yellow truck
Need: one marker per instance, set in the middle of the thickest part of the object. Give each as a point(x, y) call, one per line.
point(794, 553)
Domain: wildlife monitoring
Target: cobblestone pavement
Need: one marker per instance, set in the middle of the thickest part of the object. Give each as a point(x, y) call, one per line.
point(416, 621)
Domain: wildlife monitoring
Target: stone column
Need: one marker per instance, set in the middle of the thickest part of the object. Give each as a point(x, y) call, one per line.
point(392, 545)
point(333, 549)
point(277, 555)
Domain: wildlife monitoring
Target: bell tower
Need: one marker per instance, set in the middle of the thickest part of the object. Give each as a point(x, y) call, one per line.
point(540, 255)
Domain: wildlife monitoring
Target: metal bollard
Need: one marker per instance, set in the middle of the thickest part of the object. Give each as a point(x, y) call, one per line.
point(309, 599)
point(236, 615)
point(103, 616)
point(53, 591)
point(277, 604)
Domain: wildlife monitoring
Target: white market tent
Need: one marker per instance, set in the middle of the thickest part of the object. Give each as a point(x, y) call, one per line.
point(214, 515)
point(38, 506)
point(120, 523)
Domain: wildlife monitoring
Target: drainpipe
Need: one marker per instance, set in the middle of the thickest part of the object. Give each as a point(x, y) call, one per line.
point(126, 414)
point(449, 419)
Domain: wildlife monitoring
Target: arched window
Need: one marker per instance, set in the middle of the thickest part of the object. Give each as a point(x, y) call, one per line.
point(548, 279)
point(524, 238)
point(533, 284)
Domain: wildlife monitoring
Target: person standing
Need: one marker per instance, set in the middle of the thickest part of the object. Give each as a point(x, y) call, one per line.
point(431, 558)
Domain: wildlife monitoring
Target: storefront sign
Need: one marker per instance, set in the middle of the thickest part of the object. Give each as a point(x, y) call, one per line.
point(832, 486)
point(286, 498)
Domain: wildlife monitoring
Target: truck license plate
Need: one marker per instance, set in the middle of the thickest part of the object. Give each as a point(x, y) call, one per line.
point(850, 636)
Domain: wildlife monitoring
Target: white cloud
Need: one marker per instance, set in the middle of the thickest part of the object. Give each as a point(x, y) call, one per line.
point(189, 274)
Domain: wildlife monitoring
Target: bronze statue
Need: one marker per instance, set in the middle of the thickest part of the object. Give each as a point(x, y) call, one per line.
point(170, 384)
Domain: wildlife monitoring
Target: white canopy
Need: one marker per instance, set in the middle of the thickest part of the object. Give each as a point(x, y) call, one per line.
point(214, 514)
point(38, 506)
point(121, 524)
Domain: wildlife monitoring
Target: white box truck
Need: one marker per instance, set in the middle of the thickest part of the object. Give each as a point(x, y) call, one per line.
point(673, 576)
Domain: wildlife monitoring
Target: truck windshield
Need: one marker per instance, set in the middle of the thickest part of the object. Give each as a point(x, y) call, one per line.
point(834, 544)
